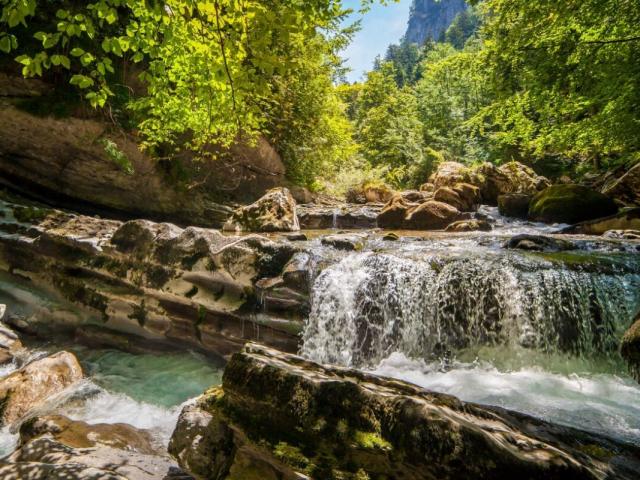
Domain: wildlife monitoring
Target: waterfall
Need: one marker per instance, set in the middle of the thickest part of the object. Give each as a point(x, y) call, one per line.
point(370, 305)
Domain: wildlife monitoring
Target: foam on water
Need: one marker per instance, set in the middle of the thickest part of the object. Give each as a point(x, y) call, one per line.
point(534, 332)
point(602, 403)
point(145, 391)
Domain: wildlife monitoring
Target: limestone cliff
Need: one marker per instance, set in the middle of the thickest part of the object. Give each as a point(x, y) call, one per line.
point(431, 18)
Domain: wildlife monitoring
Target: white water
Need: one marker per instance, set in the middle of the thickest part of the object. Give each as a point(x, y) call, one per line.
point(602, 403)
point(145, 391)
point(536, 333)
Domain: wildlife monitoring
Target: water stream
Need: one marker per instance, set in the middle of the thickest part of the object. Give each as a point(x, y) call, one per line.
point(146, 391)
point(534, 332)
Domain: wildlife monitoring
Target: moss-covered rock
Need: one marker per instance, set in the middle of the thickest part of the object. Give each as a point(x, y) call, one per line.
point(278, 416)
point(630, 349)
point(570, 204)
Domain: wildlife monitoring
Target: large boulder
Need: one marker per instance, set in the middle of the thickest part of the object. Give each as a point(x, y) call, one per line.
point(514, 205)
point(625, 220)
point(369, 193)
point(492, 181)
point(278, 416)
point(570, 204)
point(630, 348)
point(33, 384)
point(394, 213)
point(462, 196)
point(626, 189)
point(430, 215)
point(523, 179)
point(447, 175)
point(55, 447)
point(274, 212)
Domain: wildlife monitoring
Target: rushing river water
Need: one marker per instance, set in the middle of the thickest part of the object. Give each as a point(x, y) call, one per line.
point(146, 391)
point(534, 332)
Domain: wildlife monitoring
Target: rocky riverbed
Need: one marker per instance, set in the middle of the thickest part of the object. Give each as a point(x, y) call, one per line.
point(516, 316)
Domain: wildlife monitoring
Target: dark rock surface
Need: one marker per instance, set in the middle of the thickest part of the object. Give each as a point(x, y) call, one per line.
point(159, 283)
point(570, 204)
point(278, 416)
point(538, 243)
point(625, 220)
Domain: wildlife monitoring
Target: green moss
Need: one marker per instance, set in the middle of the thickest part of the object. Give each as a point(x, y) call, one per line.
point(371, 441)
point(596, 451)
point(570, 204)
point(292, 456)
point(29, 214)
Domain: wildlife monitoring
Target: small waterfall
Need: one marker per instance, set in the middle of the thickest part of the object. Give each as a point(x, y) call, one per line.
point(370, 305)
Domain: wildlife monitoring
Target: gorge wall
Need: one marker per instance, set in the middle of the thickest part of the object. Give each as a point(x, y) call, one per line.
point(430, 18)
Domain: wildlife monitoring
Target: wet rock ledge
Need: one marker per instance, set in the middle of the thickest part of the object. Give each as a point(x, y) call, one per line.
point(161, 284)
point(278, 416)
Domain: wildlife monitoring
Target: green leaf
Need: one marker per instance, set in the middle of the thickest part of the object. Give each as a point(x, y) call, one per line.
point(77, 52)
point(5, 44)
point(24, 60)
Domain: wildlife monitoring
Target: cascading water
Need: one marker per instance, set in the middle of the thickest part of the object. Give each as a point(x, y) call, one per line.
point(534, 332)
point(370, 305)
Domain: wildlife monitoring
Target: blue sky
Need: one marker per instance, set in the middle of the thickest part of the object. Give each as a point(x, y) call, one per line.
point(381, 26)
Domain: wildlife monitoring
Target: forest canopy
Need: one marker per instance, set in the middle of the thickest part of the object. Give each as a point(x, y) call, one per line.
point(553, 84)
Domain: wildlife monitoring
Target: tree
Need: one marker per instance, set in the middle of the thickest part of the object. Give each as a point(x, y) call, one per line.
point(388, 129)
point(566, 76)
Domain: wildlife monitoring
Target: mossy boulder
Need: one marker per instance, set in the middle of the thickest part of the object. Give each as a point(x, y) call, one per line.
point(278, 416)
point(570, 204)
point(630, 348)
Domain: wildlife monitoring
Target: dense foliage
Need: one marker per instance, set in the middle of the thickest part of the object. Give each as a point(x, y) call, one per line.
point(554, 84)
point(197, 73)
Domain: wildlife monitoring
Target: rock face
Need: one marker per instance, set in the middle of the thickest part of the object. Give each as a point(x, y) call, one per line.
point(65, 162)
point(278, 416)
point(159, 283)
point(514, 205)
point(431, 18)
point(625, 220)
point(430, 215)
point(33, 384)
point(55, 447)
point(626, 189)
point(570, 204)
point(321, 217)
point(630, 349)
point(274, 212)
